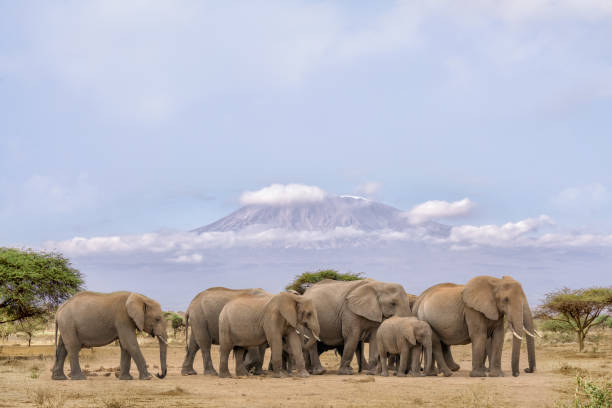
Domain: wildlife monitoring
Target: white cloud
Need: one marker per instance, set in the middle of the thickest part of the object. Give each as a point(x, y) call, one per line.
point(187, 259)
point(509, 234)
point(186, 247)
point(588, 197)
point(436, 209)
point(368, 188)
point(282, 194)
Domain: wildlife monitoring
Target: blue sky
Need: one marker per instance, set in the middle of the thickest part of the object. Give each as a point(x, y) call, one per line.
point(131, 117)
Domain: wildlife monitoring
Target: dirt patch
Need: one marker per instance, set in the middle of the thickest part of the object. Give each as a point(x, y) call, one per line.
point(552, 385)
point(176, 391)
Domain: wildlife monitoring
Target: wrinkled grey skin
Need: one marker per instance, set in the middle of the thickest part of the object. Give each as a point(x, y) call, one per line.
point(405, 336)
point(203, 317)
point(91, 319)
point(350, 312)
point(254, 320)
point(474, 313)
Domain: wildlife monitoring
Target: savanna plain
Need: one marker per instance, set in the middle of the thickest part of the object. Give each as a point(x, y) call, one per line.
point(25, 380)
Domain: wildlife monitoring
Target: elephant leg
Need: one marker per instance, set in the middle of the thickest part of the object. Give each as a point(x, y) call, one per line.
point(253, 359)
point(73, 347)
point(192, 349)
point(239, 354)
point(372, 353)
point(438, 357)
point(276, 351)
point(295, 347)
point(261, 354)
point(496, 345)
point(126, 362)
point(359, 355)
point(202, 337)
point(315, 362)
point(75, 368)
point(130, 343)
point(448, 357)
point(383, 361)
point(487, 355)
point(415, 361)
point(403, 362)
point(479, 344)
point(60, 357)
point(350, 345)
point(224, 351)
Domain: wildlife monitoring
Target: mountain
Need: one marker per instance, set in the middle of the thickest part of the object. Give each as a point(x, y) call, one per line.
point(326, 215)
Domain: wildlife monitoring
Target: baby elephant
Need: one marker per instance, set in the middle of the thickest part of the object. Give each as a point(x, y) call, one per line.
point(91, 319)
point(404, 336)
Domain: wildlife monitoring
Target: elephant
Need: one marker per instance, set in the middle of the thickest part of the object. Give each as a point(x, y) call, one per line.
point(405, 336)
point(203, 316)
point(474, 312)
point(253, 320)
point(350, 312)
point(91, 319)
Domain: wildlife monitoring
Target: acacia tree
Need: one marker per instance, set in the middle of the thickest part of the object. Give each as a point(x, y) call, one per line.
point(579, 309)
point(33, 284)
point(176, 321)
point(301, 282)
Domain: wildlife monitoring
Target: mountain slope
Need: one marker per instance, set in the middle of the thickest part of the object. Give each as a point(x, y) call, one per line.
point(326, 215)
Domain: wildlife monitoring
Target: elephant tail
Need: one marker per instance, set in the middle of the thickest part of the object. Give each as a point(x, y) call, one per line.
point(56, 332)
point(187, 331)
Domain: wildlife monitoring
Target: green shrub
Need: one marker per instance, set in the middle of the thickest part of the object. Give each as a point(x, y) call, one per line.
point(303, 281)
point(590, 394)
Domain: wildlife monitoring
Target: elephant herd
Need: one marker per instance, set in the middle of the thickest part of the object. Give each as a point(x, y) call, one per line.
point(401, 329)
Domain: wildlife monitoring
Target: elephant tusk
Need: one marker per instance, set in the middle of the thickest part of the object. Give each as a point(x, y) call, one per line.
point(162, 340)
point(297, 331)
point(317, 337)
point(306, 337)
point(516, 335)
point(537, 333)
point(529, 334)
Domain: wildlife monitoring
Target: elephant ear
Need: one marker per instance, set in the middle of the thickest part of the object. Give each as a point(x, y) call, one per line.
point(408, 332)
point(288, 308)
point(364, 302)
point(478, 294)
point(135, 305)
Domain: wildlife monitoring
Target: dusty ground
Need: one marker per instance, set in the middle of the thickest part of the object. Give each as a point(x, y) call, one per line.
point(25, 382)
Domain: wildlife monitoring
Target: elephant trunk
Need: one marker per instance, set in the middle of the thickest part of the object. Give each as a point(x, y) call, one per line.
point(515, 321)
point(163, 351)
point(528, 320)
point(310, 337)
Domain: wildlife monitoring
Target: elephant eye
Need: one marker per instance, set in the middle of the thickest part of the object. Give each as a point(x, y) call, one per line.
point(506, 299)
point(157, 319)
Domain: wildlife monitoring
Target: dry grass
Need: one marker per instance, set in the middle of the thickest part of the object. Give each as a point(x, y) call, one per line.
point(552, 385)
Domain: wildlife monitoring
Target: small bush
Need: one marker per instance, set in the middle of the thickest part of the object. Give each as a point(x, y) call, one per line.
point(590, 394)
point(34, 373)
point(47, 398)
point(117, 403)
point(307, 279)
